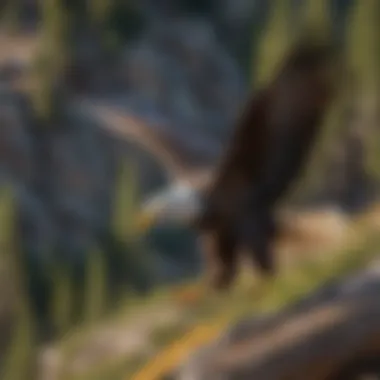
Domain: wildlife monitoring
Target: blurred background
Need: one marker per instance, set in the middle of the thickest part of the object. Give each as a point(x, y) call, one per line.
point(86, 86)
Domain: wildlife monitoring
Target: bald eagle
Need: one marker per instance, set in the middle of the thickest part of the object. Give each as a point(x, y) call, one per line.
point(230, 198)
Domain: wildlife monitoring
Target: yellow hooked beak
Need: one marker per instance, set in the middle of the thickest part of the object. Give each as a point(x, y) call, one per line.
point(145, 220)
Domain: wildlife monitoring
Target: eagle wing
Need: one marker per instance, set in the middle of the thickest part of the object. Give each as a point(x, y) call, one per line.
point(187, 158)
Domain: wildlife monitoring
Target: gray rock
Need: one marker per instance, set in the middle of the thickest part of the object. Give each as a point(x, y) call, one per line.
point(350, 296)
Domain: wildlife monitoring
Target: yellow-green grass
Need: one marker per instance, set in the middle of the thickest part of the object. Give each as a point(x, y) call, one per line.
point(214, 314)
point(207, 315)
point(115, 369)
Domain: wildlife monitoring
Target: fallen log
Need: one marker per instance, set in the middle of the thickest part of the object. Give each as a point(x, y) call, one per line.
point(332, 334)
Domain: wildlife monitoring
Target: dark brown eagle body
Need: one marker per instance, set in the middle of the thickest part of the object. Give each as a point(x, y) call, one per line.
point(267, 152)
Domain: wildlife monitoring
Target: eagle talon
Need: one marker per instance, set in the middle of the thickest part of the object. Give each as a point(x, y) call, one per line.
point(221, 280)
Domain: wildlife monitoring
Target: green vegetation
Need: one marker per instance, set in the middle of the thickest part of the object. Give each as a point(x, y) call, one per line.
point(62, 300)
point(362, 50)
point(20, 357)
point(71, 308)
point(139, 264)
point(166, 335)
point(95, 287)
point(305, 276)
point(121, 266)
point(363, 47)
point(363, 53)
point(248, 299)
point(10, 15)
point(316, 17)
point(125, 204)
point(274, 42)
point(52, 58)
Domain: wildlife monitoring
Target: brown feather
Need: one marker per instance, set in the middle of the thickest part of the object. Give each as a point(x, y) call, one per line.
point(269, 148)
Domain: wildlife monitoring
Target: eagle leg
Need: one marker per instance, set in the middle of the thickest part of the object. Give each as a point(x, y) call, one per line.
point(220, 258)
point(258, 235)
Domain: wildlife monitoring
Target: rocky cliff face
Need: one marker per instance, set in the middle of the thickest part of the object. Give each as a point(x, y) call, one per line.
point(177, 73)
